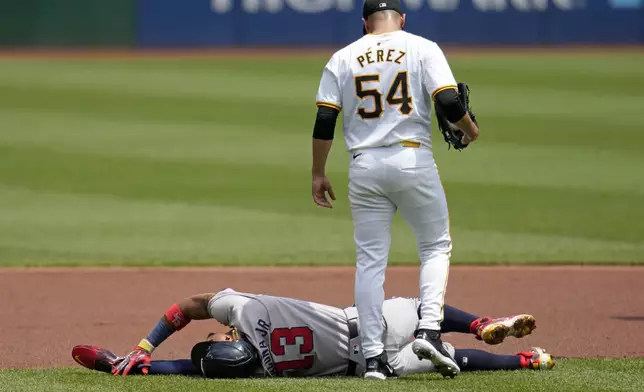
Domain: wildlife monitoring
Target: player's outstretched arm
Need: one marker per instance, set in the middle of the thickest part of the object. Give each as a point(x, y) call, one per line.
point(196, 307)
point(173, 320)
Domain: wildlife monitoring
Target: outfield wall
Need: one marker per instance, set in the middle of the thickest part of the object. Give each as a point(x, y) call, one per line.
point(67, 23)
point(252, 23)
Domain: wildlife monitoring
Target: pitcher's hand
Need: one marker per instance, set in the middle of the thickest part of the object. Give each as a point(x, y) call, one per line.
point(322, 186)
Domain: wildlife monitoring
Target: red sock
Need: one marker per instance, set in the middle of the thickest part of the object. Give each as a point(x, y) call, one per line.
point(525, 358)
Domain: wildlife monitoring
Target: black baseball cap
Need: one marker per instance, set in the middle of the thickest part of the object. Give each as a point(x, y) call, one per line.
point(372, 6)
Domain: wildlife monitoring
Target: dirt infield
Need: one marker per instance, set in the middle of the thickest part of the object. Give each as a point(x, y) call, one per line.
point(580, 311)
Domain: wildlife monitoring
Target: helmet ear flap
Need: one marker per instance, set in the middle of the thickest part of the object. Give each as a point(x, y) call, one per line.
point(225, 359)
point(198, 352)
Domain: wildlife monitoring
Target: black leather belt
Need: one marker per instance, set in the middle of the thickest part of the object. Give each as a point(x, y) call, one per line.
point(353, 333)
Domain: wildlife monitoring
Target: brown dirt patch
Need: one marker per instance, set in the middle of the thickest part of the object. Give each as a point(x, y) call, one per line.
point(580, 311)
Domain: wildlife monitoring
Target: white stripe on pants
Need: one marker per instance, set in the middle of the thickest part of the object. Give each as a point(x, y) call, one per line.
point(382, 181)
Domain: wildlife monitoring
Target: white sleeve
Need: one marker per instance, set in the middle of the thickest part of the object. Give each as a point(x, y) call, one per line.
point(437, 74)
point(226, 307)
point(329, 93)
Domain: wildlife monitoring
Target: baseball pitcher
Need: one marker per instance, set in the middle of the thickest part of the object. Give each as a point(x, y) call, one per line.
point(278, 336)
point(385, 83)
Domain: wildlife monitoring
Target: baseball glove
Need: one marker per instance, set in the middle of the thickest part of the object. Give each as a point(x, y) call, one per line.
point(452, 134)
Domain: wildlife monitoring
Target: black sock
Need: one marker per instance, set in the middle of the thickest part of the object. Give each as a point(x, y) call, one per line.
point(455, 320)
point(473, 360)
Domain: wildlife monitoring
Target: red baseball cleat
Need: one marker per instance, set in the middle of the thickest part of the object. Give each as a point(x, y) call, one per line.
point(94, 357)
point(494, 331)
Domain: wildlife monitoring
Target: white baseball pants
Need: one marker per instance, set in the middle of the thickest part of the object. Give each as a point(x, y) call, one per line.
point(382, 181)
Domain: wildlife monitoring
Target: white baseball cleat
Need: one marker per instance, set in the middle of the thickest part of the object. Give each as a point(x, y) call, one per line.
point(494, 331)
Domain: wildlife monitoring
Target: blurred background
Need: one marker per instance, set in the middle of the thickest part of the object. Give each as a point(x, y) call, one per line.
point(230, 23)
point(108, 157)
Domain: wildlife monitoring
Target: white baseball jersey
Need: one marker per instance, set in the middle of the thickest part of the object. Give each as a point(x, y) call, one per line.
point(385, 84)
point(297, 338)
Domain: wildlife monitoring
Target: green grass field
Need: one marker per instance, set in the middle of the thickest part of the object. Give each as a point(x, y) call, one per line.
point(584, 375)
point(207, 161)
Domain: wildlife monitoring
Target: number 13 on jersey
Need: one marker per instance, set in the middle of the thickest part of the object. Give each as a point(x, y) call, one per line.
point(293, 348)
point(397, 95)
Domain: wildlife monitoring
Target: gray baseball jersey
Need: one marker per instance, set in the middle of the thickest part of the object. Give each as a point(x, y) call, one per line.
point(296, 338)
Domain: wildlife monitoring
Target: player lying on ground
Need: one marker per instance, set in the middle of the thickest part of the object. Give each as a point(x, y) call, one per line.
point(278, 336)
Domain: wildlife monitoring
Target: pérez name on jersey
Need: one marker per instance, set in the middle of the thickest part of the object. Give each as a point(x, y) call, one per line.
point(381, 56)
